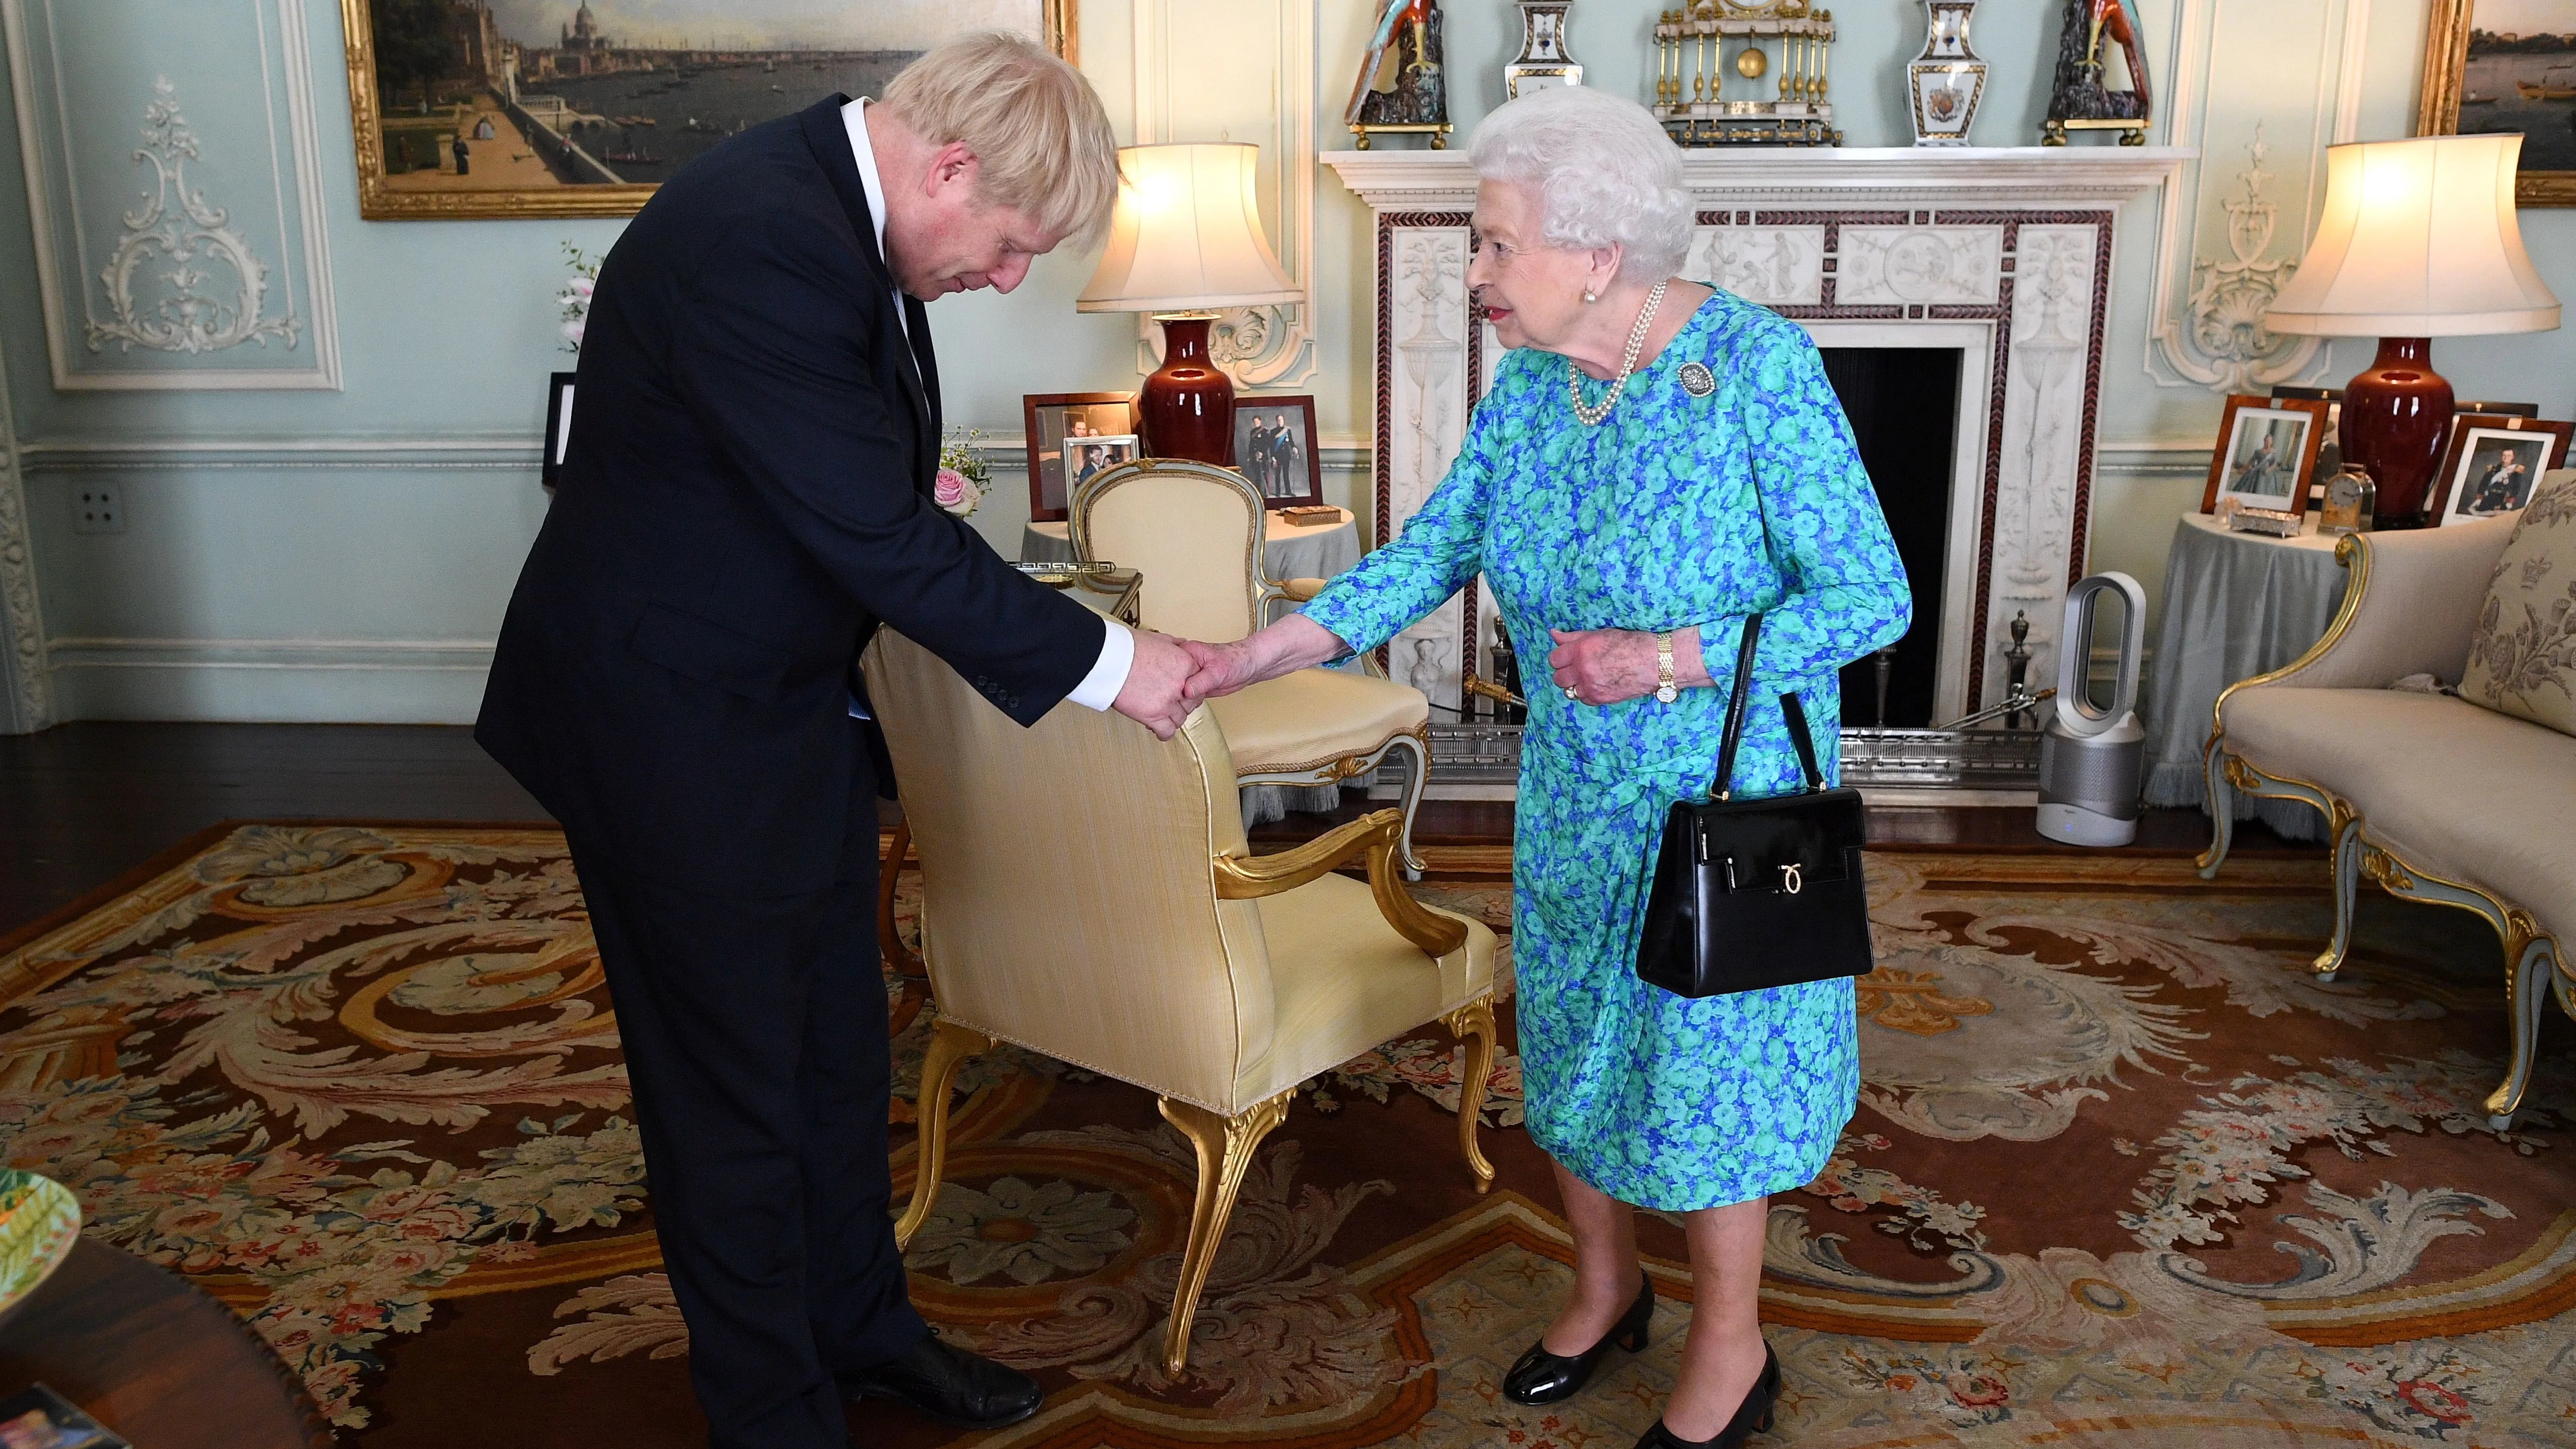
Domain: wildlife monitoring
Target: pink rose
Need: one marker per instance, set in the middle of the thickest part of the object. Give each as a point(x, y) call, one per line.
point(955, 492)
point(582, 287)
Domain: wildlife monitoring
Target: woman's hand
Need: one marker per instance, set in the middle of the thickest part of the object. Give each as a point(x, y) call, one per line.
point(1605, 666)
point(1285, 647)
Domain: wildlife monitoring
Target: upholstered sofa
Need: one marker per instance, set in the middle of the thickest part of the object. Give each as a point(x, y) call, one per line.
point(2429, 795)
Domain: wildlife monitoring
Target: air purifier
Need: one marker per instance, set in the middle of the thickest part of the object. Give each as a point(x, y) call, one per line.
point(2089, 758)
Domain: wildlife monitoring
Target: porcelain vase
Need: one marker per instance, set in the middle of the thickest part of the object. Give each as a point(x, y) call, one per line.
point(1944, 86)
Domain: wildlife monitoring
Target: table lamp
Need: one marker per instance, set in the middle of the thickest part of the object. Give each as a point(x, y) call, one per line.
point(1184, 244)
point(2417, 240)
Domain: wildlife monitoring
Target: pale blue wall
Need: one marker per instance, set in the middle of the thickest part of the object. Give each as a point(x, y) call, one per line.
point(346, 554)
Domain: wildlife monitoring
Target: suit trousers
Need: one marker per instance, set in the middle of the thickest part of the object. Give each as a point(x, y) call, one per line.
point(755, 1039)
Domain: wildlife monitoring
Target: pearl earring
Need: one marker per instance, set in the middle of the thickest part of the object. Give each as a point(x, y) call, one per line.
point(1588, 297)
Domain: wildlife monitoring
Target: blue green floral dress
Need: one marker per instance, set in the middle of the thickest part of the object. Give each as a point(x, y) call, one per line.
point(1676, 510)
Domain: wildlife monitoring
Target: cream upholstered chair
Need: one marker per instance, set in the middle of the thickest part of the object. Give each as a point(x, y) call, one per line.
point(1195, 530)
point(1118, 921)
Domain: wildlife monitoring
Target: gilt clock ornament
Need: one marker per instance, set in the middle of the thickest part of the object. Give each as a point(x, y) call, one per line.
point(1945, 84)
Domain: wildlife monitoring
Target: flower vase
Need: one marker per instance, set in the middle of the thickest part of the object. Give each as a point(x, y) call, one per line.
point(1946, 83)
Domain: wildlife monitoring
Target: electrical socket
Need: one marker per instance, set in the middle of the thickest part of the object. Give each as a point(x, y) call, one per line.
point(98, 508)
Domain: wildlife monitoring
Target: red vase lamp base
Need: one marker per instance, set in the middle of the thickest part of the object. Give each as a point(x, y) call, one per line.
point(1187, 407)
point(2396, 423)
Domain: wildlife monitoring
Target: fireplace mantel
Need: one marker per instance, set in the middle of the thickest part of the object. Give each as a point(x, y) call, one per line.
point(2044, 176)
point(2003, 253)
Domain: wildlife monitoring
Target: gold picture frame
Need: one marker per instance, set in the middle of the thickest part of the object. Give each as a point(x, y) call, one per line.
point(380, 198)
point(2437, 109)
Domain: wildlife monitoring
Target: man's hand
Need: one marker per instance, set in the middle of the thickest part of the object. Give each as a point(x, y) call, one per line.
point(1157, 693)
point(1605, 666)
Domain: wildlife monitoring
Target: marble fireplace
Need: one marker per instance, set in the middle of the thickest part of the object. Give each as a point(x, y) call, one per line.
point(2003, 255)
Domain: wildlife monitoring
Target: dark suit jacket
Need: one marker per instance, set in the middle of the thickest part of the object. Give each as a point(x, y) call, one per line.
point(747, 495)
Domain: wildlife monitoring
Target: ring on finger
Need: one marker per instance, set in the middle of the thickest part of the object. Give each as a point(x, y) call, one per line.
point(1572, 693)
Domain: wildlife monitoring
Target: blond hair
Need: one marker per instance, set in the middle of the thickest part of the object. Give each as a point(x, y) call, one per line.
point(1042, 143)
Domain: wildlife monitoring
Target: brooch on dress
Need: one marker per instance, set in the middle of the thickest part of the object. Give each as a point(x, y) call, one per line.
point(1697, 380)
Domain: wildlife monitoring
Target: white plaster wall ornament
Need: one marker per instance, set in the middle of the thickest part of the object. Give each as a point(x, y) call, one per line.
point(181, 279)
point(29, 703)
point(2227, 347)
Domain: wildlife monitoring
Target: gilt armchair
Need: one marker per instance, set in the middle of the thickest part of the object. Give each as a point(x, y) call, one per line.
point(1115, 919)
point(1196, 532)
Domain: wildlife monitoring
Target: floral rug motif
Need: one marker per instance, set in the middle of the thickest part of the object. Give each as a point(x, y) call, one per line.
point(2123, 1172)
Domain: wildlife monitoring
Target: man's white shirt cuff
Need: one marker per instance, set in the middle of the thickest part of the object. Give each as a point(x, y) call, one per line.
point(1099, 689)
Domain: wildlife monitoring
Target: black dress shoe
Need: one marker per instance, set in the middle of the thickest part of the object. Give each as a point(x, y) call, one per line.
point(1540, 1377)
point(949, 1384)
point(1752, 1417)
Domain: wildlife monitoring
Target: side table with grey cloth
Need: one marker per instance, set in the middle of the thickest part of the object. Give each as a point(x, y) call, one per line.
point(2236, 605)
point(1289, 551)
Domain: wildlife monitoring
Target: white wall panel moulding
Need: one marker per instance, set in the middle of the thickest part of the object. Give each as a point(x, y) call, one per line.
point(173, 173)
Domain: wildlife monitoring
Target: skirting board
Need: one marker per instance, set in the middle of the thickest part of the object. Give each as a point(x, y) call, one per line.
point(328, 681)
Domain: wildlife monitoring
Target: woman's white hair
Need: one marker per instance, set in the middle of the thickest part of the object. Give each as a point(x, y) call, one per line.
point(1603, 170)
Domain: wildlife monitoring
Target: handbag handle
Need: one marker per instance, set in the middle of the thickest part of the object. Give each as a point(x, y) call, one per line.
point(1793, 713)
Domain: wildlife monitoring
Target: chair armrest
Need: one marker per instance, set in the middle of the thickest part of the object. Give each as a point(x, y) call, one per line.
point(1244, 878)
point(2410, 607)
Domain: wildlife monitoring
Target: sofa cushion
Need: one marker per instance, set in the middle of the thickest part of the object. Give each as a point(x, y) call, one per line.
point(1301, 720)
point(2461, 792)
point(2522, 660)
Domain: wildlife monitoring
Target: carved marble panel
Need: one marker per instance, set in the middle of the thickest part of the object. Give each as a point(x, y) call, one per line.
point(1430, 381)
point(1777, 266)
point(2045, 449)
point(1894, 265)
point(173, 172)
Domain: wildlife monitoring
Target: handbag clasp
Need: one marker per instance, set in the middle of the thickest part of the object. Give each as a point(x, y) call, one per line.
point(1791, 882)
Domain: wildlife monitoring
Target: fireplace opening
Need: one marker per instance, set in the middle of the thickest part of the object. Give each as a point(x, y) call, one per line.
point(1903, 403)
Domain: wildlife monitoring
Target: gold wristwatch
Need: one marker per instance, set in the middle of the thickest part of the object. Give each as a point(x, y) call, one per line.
point(1666, 690)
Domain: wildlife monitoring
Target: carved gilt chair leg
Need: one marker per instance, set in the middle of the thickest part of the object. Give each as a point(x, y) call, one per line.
point(1225, 1146)
point(2343, 829)
point(950, 1046)
point(1473, 1024)
point(2222, 807)
point(889, 940)
point(1416, 779)
point(2530, 961)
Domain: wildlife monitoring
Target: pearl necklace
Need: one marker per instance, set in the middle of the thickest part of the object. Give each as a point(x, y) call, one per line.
point(1590, 416)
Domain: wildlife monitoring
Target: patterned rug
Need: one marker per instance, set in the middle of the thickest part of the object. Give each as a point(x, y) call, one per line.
point(2123, 1173)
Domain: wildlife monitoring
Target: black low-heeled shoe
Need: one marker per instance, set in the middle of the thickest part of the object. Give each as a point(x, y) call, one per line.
point(1540, 1377)
point(1752, 1417)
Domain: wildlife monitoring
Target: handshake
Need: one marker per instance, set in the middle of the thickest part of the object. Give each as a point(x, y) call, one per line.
point(1171, 676)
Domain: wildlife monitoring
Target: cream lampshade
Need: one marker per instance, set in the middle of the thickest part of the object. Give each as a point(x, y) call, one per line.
point(2418, 240)
point(1185, 243)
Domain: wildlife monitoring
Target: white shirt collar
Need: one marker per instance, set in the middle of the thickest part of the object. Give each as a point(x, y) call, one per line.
point(854, 116)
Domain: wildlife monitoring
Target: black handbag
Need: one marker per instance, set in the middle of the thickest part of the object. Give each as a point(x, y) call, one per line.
point(1754, 894)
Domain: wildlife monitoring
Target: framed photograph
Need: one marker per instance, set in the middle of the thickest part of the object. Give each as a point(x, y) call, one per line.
point(500, 108)
point(43, 1419)
point(1274, 446)
point(2267, 453)
point(1064, 430)
point(558, 426)
point(2492, 464)
point(2506, 65)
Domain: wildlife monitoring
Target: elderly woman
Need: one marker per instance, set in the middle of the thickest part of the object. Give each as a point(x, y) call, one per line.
point(1655, 462)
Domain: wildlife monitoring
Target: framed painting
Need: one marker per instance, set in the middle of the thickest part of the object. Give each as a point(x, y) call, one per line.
point(505, 108)
point(2267, 452)
point(2507, 65)
point(1274, 446)
point(1072, 435)
point(2492, 464)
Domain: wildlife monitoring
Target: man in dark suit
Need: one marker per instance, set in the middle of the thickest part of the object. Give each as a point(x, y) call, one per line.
point(747, 496)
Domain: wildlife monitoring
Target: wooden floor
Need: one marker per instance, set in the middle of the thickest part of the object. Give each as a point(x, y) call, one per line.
point(83, 804)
